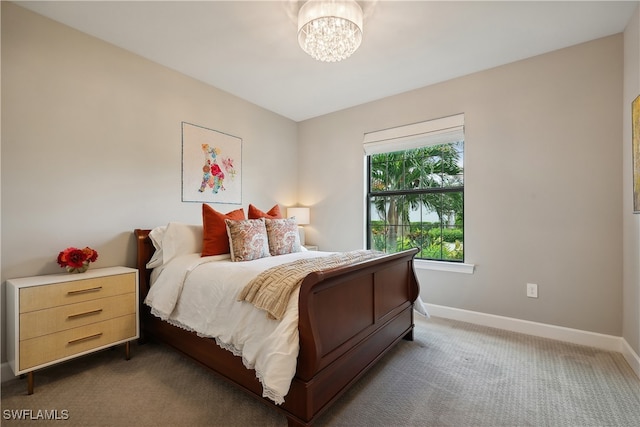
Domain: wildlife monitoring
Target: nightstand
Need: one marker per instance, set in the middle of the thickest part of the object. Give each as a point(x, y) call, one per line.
point(57, 317)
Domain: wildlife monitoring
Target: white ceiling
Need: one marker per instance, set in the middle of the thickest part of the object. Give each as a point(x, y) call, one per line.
point(249, 48)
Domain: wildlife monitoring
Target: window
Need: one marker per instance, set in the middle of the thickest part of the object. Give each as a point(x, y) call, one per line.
point(415, 189)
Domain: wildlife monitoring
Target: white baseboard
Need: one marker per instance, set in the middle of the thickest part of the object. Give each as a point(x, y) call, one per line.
point(6, 373)
point(631, 357)
point(560, 333)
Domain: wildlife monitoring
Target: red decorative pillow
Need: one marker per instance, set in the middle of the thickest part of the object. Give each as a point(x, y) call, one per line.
point(255, 213)
point(214, 230)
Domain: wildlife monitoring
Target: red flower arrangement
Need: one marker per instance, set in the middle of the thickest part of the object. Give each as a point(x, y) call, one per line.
point(77, 260)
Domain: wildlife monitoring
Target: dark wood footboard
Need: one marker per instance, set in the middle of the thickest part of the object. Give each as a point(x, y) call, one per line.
point(349, 318)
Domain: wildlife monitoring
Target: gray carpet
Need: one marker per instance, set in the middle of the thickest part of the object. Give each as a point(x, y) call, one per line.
point(453, 374)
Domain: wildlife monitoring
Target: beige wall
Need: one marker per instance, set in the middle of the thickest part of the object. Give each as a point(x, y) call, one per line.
point(91, 149)
point(91, 145)
point(543, 199)
point(630, 222)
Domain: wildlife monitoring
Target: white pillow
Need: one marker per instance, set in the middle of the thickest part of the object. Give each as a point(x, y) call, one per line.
point(176, 239)
point(156, 236)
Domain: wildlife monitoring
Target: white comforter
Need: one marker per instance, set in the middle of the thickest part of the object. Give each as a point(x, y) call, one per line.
point(200, 294)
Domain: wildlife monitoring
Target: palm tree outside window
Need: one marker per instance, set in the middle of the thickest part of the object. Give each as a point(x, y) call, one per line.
point(416, 198)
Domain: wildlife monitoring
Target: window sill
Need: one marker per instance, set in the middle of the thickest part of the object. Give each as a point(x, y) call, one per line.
point(454, 267)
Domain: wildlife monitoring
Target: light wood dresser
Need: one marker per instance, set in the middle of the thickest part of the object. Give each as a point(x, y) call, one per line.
point(58, 317)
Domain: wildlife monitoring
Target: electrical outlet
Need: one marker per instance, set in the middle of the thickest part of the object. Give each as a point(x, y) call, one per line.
point(532, 290)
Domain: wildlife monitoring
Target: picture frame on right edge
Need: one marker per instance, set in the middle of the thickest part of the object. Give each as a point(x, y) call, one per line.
point(635, 140)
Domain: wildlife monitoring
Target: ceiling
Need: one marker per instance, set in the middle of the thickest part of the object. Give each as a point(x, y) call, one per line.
point(249, 48)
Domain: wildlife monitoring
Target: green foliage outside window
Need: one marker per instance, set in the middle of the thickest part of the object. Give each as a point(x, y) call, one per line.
point(416, 200)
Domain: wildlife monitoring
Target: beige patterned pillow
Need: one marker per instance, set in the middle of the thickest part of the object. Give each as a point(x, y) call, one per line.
point(284, 237)
point(247, 239)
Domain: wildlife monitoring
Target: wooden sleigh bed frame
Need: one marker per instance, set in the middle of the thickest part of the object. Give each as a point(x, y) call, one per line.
point(349, 318)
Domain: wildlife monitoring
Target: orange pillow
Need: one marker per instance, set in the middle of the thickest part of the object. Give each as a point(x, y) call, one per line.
point(255, 213)
point(215, 240)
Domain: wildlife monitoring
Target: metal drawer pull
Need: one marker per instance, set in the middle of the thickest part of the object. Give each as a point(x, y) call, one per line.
point(98, 335)
point(82, 291)
point(86, 313)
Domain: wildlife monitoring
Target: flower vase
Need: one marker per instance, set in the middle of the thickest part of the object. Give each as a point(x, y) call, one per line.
point(81, 269)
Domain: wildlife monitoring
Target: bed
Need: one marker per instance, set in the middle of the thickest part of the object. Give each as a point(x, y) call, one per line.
point(348, 318)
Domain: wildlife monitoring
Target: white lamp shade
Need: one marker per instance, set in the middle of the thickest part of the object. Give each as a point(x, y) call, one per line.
point(301, 215)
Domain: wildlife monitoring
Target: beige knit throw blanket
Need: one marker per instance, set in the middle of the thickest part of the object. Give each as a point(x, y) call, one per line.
point(271, 289)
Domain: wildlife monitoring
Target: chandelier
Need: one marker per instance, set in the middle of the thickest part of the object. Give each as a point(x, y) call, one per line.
point(330, 30)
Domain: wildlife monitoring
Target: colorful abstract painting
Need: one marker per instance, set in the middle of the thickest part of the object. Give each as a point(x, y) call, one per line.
point(635, 138)
point(211, 166)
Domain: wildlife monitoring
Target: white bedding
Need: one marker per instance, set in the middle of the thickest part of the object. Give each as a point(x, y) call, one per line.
point(200, 294)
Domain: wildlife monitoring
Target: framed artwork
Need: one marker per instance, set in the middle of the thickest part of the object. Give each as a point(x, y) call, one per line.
point(635, 139)
point(211, 166)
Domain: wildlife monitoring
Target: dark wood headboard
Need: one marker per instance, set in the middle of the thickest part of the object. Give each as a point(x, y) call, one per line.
point(145, 252)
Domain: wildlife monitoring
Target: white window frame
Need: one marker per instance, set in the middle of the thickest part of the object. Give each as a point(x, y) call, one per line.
point(422, 134)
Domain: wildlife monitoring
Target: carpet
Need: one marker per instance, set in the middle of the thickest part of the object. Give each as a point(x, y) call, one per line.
point(452, 374)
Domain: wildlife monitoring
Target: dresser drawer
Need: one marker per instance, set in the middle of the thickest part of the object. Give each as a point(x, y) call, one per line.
point(46, 296)
point(43, 322)
point(47, 348)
